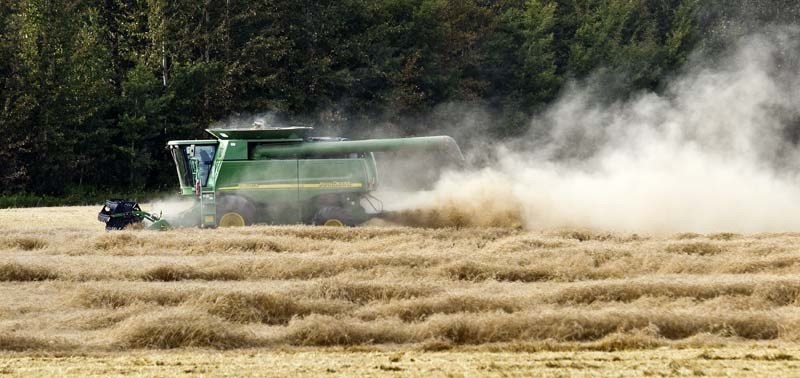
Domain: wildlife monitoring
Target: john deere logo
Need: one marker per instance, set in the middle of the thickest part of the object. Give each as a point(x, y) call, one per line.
point(336, 184)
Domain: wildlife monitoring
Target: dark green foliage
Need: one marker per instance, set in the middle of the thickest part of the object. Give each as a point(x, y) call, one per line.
point(14, 103)
point(91, 90)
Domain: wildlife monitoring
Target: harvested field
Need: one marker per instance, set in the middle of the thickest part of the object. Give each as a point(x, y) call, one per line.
point(726, 362)
point(69, 288)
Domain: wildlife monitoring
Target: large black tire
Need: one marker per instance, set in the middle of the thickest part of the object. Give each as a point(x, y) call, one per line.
point(333, 216)
point(235, 211)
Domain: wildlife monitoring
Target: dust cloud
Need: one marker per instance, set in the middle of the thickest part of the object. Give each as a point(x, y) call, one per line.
point(715, 151)
point(251, 121)
point(172, 209)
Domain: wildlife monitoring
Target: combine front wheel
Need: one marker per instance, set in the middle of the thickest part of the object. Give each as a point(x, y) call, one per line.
point(234, 211)
point(333, 216)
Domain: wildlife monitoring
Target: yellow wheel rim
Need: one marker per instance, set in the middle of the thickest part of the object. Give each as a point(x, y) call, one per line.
point(334, 223)
point(231, 220)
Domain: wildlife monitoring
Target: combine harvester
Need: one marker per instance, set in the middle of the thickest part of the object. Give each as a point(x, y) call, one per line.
point(274, 176)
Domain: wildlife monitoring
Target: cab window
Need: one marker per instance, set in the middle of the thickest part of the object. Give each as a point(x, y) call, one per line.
point(205, 156)
point(182, 162)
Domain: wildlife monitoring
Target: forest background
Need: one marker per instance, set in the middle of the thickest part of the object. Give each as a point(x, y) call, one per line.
point(91, 90)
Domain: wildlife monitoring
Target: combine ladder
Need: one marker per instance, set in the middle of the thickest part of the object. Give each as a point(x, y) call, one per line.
point(208, 209)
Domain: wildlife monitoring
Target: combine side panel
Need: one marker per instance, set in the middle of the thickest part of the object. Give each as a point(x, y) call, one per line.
point(338, 181)
point(271, 186)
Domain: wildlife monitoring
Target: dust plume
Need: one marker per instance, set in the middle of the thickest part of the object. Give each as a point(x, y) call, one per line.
point(715, 151)
point(251, 121)
point(172, 209)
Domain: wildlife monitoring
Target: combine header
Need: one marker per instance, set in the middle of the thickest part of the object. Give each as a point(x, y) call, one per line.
point(275, 176)
point(118, 214)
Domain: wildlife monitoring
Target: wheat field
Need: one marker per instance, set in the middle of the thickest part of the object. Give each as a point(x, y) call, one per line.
point(388, 299)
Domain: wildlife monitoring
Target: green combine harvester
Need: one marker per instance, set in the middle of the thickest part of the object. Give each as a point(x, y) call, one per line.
point(274, 176)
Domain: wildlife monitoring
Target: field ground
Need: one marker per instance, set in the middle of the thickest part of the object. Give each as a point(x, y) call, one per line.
point(740, 362)
point(385, 299)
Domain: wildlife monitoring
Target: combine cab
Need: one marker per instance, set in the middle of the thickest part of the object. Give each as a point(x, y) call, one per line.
point(279, 176)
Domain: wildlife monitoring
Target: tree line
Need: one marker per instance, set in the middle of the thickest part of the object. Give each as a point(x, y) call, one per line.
point(92, 89)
